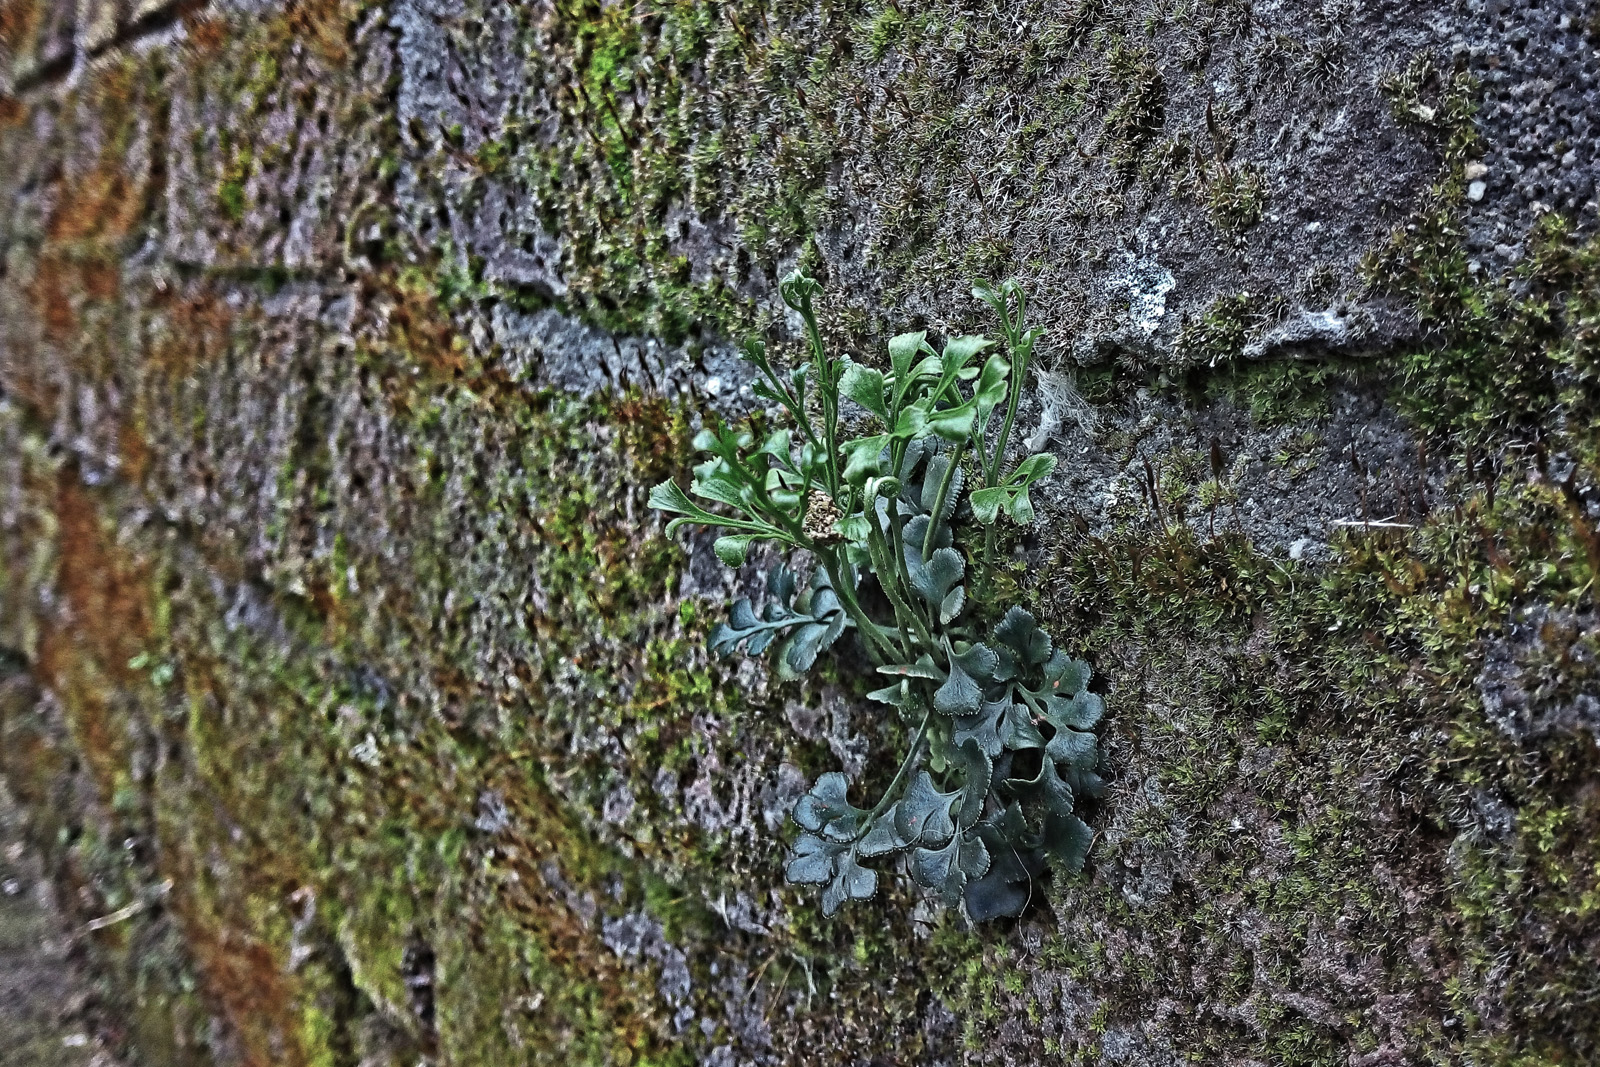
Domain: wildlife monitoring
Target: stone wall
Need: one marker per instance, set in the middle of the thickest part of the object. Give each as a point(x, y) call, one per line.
point(360, 711)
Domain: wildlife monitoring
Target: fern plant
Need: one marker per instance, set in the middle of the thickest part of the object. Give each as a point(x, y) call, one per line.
point(1000, 718)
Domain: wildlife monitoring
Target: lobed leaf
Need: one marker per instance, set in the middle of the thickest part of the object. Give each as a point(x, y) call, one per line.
point(732, 549)
point(933, 580)
point(953, 424)
point(851, 882)
point(923, 814)
point(865, 457)
point(903, 349)
point(959, 695)
point(811, 861)
point(947, 869)
point(986, 503)
point(1066, 842)
point(1045, 788)
point(1019, 632)
point(864, 386)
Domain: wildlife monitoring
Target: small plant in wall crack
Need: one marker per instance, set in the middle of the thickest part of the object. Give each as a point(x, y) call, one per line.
point(984, 799)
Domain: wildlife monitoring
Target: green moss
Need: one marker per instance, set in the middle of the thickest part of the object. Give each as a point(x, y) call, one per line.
point(1236, 197)
point(1283, 392)
point(1137, 116)
point(1221, 331)
point(231, 198)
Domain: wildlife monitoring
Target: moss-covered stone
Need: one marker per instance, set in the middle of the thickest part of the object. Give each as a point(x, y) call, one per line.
point(366, 691)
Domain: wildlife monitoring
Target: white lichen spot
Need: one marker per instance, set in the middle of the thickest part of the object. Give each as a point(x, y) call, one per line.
point(366, 752)
point(1147, 284)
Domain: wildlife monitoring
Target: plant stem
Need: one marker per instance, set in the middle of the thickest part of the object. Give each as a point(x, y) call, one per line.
point(988, 558)
point(879, 647)
point(899, 776)
point(1021, 353)
point(1019, 365)
point(827, 391)
point(939, 501)
point(889, 579)
point(795, 407)
point(898, 543)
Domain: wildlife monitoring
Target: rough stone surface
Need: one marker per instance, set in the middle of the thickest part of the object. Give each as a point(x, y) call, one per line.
point(44, 993)
point(358, 711)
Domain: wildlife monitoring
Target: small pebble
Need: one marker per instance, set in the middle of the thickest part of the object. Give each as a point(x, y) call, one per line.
point(1474, 171)
point(1476, 190)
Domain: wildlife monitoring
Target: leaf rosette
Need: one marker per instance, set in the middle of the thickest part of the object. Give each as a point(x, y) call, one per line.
point(1001, 752)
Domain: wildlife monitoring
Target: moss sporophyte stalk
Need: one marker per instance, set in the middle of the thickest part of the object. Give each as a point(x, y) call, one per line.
point(983, 800)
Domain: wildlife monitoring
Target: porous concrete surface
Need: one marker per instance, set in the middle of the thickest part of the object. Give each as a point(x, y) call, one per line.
point(1539, 65)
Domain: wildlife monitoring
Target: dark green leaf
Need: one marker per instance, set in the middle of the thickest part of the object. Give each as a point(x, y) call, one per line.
point(1008, 885)
point(930, 486)
point(799, 651)
point(951, 605)
point(932, 580)
point(914, 532)
point(1073, 749)
point(923, 814)
point(1045, 788)
point(1017, 731)
point(781, 584)
point(1066, 842)
point(1019, 632)
point(853, 882)
point(811, 863)
point(1065, 675)
point(959, 695)
point(884, 836)
point(996, 894)
point(976, 770)
point(983, 727)
point(947, 869)
point(1080, 712)
point(897, 695)
point(824, 802)
point(978, 660)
